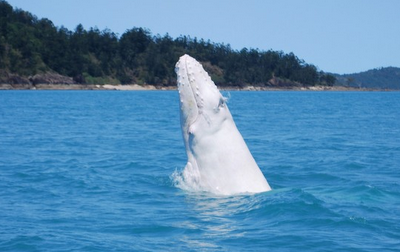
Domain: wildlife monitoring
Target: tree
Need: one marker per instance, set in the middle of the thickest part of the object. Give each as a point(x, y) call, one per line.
point(29, 45)
point(132, 43)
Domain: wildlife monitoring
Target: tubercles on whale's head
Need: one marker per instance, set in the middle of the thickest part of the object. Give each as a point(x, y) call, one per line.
point(198, 93)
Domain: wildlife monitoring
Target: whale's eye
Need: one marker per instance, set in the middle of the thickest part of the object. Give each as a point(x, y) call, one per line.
point(221, 103)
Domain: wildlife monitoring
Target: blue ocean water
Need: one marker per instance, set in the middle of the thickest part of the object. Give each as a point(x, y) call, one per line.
point(92, 171)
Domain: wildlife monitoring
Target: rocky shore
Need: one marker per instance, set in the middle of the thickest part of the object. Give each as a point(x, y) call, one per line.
point(55, 81)
point(136, 87)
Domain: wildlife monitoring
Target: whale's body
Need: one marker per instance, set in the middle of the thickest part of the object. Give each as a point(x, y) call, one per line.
point(219, 160)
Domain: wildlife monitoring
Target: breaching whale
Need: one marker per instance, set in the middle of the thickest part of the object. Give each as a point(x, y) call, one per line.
point(219, 160)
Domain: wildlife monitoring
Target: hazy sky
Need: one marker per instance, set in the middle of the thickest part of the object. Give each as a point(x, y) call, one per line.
point(340, 36)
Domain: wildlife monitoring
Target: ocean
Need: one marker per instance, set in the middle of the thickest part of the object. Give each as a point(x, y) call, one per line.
point(94, 171)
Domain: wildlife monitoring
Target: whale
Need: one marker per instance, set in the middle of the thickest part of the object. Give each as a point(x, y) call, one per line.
point(218, 159)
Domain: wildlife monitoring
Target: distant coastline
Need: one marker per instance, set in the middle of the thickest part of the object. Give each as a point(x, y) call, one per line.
point(35, 54)
point(137, 87)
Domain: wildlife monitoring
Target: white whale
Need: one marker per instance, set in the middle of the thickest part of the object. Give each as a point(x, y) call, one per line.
point(219, 160)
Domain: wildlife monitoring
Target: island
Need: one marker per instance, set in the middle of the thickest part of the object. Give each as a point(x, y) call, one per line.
point(35, 54)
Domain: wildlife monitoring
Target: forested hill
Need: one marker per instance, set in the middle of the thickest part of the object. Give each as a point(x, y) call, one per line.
point(382, 78)
point(31, 48)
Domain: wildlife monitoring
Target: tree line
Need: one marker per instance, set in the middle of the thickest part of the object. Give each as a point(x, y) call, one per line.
point(30, 46)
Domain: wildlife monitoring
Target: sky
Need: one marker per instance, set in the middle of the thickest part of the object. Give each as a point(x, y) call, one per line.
point(337, 36)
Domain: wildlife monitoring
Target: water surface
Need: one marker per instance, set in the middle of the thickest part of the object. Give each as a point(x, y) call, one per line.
point(91, 171)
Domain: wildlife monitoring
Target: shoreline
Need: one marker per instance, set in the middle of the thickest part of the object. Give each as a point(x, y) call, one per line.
point(137, 87)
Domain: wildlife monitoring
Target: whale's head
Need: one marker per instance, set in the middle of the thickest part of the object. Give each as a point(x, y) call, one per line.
point(202, 105)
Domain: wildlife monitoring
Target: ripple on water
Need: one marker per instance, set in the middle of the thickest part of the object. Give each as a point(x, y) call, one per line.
point(91, 171)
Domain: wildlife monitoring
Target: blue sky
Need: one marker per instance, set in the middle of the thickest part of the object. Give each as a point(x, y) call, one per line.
point(339, 36)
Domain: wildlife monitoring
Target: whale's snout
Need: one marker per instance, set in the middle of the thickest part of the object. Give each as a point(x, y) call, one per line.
point(196, 89)
point(188, 103)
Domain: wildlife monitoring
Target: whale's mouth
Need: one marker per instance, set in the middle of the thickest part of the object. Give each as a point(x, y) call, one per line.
point(191, 79)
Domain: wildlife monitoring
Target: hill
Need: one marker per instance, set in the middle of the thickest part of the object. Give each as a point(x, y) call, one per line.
point(381, 78)
point(33, 49)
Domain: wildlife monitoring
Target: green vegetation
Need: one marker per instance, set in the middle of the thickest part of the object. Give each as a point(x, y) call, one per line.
point(382, 78)
point(30, 46)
